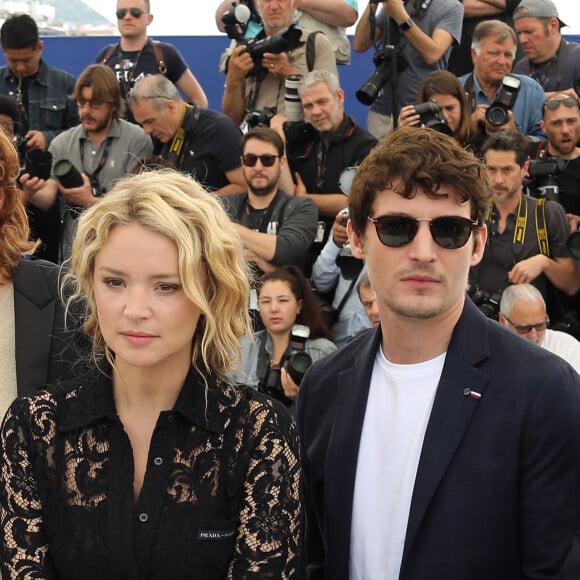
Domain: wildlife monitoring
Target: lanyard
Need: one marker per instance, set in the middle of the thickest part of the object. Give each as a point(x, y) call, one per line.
point(94, 176)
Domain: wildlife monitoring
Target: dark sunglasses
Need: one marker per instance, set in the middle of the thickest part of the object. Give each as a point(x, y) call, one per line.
point(449, 232)
point(554, 104)
point(135, 12)
point(527, 328)
point(267, 160)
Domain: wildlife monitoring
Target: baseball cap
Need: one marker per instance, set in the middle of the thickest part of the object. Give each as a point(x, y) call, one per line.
point(537, 9)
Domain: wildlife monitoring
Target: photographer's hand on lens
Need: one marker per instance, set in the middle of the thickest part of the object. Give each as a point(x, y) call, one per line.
point(510, 125)
point(396, 10)
point(300, 188)
point(30, 185)
point(277, 124)
point(408, 117)
point(239, 65)
point(278, 65)
point(81, 196)
point(526, 271)
point(289, 387)
point(339, 235)
point(35, 139)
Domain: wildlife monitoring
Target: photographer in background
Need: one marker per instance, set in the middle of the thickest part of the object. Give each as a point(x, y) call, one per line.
point(293, 323)
point(96, 153)
point(337, 283)
point(331, 17)
point(557, 161)
point(321, 149)
point(422, 33)
point(254, 86)
point(42, 93)
point(201, 142)
point(493, 51)
point(526, 240)
point(550, 60)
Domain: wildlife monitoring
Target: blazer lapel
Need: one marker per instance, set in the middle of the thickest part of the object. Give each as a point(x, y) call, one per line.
point(460, 387)
point(34, 311)
point(351, 400)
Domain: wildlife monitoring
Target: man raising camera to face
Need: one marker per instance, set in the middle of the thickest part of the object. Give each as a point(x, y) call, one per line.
point(255, 78)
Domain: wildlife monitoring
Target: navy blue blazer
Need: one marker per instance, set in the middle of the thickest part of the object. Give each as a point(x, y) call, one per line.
point(44, 349)
point(497, 491)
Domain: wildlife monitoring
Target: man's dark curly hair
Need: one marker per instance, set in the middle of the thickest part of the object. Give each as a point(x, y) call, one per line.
point(421, 158)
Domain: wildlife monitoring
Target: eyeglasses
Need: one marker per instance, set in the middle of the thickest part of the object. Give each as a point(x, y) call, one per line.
point(93, 103)
point(527, 328)
point(554, 104)
point(449, 232)
point(267, 160)
point(135, 12)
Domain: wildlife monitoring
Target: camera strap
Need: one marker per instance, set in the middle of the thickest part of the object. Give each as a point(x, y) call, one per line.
point(178, 147)
point(94, 176)
point(521, 223)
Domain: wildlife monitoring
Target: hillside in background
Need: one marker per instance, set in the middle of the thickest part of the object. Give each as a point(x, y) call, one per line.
point(77, 12)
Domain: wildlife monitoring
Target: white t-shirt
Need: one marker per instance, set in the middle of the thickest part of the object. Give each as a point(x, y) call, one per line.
point(564, 345)
point(397, 412)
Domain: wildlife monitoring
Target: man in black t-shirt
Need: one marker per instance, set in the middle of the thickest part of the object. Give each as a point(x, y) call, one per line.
point(201, 142)
point(136, 55)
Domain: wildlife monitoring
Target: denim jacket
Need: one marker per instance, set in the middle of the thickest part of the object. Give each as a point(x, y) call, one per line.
point(50, 109)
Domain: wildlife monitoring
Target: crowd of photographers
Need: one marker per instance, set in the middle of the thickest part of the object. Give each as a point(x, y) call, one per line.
point(286, 183)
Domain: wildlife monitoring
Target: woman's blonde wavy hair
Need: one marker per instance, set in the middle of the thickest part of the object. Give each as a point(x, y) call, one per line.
point(212, 270)
point(14, 227)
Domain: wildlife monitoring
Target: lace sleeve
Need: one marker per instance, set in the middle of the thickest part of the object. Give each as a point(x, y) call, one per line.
point(267, 543)
point(24, 549)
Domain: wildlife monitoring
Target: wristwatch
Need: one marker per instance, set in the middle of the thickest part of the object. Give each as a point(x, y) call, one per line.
point(406, 25)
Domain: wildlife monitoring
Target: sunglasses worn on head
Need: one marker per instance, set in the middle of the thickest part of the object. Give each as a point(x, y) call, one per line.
point(267, 160)
point(527, 328)
point(554, 104)
point(135, 12)
point(449, 232)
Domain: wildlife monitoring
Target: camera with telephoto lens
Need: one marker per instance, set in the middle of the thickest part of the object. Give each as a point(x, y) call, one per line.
point(430, 117)
point(486, 301)
point(38, 163)
point(384, 61)
point(292, 102)
point(283, 41)
point(67, 174)
point(497, 113)
point(545, 173)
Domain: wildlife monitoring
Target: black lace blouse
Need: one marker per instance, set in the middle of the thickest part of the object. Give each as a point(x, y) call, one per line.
point(219, 499)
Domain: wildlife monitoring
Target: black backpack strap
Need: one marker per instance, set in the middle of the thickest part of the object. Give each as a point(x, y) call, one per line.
point(311, 49)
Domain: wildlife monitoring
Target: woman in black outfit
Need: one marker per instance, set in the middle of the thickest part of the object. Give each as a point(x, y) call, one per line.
point(154, 465)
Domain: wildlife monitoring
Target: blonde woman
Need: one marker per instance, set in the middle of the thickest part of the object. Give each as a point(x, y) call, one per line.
point(154, 466)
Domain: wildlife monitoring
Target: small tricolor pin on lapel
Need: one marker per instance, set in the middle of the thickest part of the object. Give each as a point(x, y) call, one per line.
point(472, 394)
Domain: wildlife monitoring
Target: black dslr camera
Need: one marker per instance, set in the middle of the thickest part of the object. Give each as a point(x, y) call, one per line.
point(430, 117)
point(297, 361)
point(545, 172)
point(257, 118)
point(497, 113)
point(283, 41)
point(386, 61)
point(487, 302)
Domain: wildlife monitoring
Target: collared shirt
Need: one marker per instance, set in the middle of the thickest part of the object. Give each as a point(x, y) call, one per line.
point(128, 144)
point(219, 497)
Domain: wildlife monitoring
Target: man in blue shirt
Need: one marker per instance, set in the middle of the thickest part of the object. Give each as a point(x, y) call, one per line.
point(493, 51)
